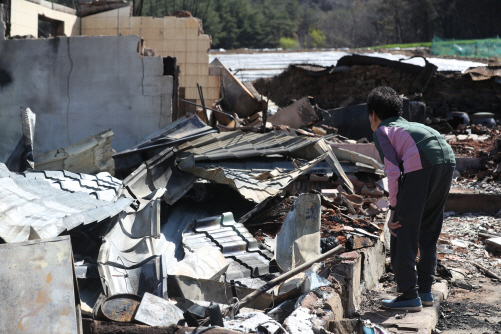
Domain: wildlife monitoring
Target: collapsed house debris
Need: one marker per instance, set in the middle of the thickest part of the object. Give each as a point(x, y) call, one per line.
point(240, 213)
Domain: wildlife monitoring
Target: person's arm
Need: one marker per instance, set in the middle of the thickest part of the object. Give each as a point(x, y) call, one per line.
point(393, 173)
point(391, 163)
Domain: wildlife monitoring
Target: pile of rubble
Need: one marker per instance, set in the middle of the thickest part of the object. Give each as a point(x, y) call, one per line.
point(264, 231)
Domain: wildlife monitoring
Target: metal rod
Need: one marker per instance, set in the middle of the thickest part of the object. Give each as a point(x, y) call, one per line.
point(219, 111)
point(253, 295)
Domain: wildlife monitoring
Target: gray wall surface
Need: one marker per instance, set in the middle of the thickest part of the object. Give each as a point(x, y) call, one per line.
point(80, 86)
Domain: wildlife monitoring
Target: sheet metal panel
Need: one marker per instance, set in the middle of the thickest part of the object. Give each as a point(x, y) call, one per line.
point(37, 293)
point(31, 203)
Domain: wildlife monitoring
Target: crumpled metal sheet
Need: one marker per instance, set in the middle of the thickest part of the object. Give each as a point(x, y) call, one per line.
point(38, 292)
point(101, 186)
point(358, 159)
point(181, 130)
point(90, 155)
point(250, 188)
point(176, 133)
point(156, 311)
point(213, 291)
point(205, 262)
point(299, 238)
point(234, 241)
point(30, 204)
point(128, 261)
point(238, 144)
point(160, 171)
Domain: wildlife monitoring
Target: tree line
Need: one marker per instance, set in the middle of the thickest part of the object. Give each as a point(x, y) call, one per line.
point(332, 23)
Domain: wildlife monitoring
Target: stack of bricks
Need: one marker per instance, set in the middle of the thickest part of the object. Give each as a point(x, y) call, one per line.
point(168, 36)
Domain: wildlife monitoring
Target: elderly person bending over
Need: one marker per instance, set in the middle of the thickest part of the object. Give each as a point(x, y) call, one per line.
point(419, 164)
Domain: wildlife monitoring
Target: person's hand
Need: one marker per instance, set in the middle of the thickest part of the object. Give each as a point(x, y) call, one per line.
point(393, 225)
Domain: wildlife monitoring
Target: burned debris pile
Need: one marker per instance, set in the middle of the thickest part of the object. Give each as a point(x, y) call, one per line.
point(260, 224)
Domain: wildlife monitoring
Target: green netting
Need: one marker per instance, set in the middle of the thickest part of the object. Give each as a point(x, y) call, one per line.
point(481, 48)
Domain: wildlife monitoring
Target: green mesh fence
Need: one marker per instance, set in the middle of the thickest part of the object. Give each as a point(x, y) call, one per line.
point(481, 48)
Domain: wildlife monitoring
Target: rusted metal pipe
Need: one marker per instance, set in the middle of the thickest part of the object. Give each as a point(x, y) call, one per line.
point(252, 296)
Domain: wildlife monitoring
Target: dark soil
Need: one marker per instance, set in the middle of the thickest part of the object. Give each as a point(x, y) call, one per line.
point(463, 315)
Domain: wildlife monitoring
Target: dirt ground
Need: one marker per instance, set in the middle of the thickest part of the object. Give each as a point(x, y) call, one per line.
point(477, 311)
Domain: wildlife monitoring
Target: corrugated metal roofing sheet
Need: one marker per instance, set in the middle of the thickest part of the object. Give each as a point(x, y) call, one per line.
point(102, 186)
point(233, 239)
point(245, 184)
point(180, 130)
point(238, 144)
point(31, 203)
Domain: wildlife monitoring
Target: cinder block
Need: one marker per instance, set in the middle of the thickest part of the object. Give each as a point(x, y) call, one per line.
point(112, 32)
point(146, 22)
point(192, 33)
point(191, 81)
point(203, 69)
point(203, 44)
point(143, 33)
point(202, 57)
point(101, 22)
point(182, 81)
point(112, 23)
point(168, 46)
point(191, 22)
point(191, 57)
point(191, 69)
point(191, 93)
point(181, 57)
point(101, 32)
point(156, 44)
point(204, 38)
point(135, 22)
point(124, 31)
point(152, 86)
point(181, 22)
point(191, 45)
point(180, 33)
point(135, 31)
point(157, 23)
point(182, 68)
point(213, 93)
point(203, 81)
point(84, 24)
point(124, 22)
point(157, 33)
point(169, 34)
point(180, 45)
point(213, 81)
point(169, 22)
point(152, 66)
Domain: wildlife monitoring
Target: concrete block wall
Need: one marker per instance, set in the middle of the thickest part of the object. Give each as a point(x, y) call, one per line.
point(24, 17)
point(168, 36)
point(80, 86)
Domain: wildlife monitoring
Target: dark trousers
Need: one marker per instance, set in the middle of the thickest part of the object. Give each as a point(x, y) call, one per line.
point(420, 210)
